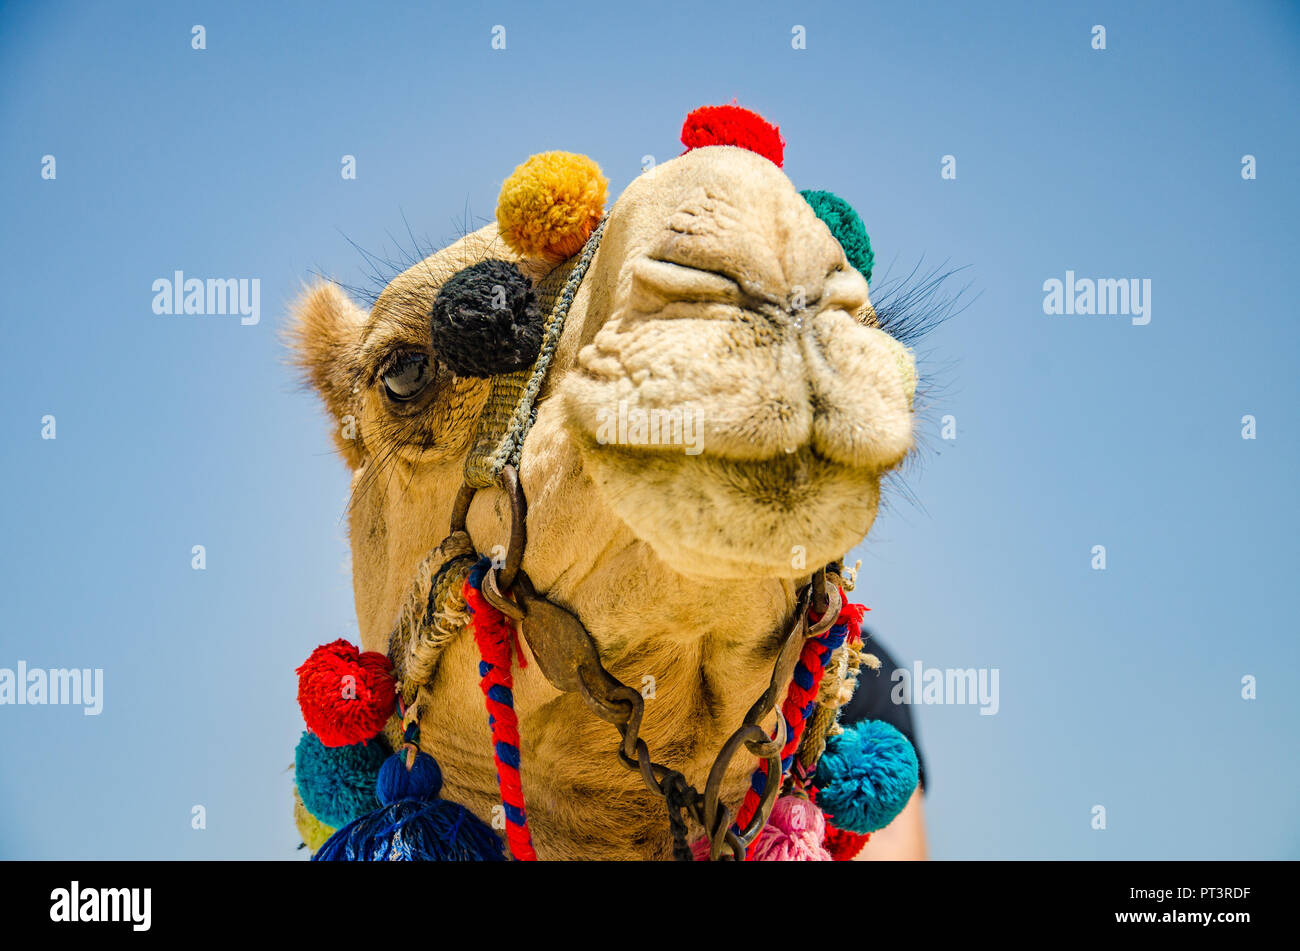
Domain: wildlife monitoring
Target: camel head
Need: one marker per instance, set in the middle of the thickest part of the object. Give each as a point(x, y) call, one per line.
point(717, 415)
point(721, 386)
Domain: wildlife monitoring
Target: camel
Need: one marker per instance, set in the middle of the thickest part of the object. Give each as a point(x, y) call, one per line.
point(715, 288)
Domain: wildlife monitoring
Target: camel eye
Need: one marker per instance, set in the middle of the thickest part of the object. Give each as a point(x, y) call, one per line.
point(407, 376)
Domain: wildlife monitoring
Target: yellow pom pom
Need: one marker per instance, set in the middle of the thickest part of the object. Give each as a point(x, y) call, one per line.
point(313, 831)
point(550, 205)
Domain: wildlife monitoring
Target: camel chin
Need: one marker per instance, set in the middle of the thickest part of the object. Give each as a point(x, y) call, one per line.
point(725, 519)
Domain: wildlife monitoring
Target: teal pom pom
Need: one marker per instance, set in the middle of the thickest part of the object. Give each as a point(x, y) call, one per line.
point(337, 783)
point(866, 776)
point(847, 227)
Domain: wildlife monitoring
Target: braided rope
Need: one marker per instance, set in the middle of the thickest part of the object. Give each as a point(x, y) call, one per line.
point(431, 613)
point(819, 727)
point(511, 409)
point(836, 690)
point(512, 444)
point(444, 617)
point(801, 700)
point(497, 638)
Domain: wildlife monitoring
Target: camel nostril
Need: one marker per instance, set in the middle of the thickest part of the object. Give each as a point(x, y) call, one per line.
point(672, 280)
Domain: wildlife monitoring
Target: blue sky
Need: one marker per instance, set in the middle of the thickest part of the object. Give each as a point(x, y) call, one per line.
point(1119, 688)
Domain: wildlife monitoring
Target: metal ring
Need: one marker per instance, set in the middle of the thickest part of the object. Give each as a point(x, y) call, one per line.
point(616, 714)
point(771, 789)
point(460, 508)
point(749, 732)
point(718, 836)
point(493, 596)
point(769, 745)
point(834, 605)
point(738, 846)
point(518, 506)
point(631, 726)
point(648, 776)
point(518, 526)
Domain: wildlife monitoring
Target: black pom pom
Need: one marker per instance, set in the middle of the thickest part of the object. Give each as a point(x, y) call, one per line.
point(486, 320)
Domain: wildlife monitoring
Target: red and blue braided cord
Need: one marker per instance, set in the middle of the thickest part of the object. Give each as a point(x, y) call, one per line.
point(497, 639)
point(801, 700)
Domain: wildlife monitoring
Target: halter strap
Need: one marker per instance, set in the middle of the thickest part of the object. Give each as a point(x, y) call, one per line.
point(512, 403)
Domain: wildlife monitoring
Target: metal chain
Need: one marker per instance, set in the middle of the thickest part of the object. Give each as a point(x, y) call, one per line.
point(568, 658)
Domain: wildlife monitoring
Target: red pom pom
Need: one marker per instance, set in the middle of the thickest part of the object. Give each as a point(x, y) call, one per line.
point(346, 696)
point(843, 846)
point(732, 125)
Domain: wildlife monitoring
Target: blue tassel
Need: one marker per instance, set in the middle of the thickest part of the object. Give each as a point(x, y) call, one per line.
point(412, 824)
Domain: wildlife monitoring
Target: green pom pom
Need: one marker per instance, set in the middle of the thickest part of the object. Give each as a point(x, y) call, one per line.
point(847, 227)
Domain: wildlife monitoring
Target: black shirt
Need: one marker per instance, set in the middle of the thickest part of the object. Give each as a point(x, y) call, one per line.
point(872, 701)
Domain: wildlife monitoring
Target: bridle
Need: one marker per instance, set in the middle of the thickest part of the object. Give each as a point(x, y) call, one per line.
point(560, 643)
point(566, 653)
point(569, 659)
point(820, 789)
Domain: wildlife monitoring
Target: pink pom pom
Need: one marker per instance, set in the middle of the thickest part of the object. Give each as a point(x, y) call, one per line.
point(794, 833)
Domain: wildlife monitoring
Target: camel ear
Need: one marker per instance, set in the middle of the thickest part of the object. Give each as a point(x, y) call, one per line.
point(325, 338)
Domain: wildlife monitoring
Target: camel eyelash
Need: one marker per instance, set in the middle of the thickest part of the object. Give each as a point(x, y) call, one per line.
point(397, 359)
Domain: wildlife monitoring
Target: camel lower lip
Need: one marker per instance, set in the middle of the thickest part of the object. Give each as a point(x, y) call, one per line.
point(675, 431)
point(719, 517)
point(679, 428)
point(776, 478)
point(804, 452)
